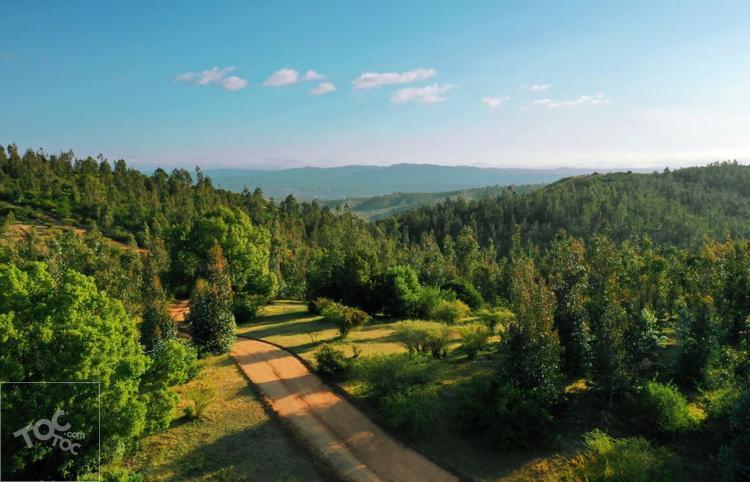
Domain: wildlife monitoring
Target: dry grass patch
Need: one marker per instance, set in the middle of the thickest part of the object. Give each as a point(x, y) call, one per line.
point(236, 440)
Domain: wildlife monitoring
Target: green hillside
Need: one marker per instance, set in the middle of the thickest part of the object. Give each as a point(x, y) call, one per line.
point(678, 207)
point(379, 207)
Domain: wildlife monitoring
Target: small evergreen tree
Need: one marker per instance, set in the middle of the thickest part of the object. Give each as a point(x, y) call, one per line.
point(157, 326)
point(698, 338)
point(211, 319)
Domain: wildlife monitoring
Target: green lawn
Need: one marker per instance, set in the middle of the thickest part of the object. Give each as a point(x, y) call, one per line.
point(287, 323)
point(238, 441)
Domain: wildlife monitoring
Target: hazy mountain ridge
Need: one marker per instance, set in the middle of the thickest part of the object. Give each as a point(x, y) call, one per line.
point(334, 183)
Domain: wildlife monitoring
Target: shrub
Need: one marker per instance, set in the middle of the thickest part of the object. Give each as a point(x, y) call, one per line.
point(175, 362)
point(665, 409)
point(316, 306)
point(624, 460)
point(116, 474)
point(449, 312)
point(400, 291)
point(412, 410)
point(429, 298)
point(387, 374)
point(510, 416)
point(734, 457)
point(473, 339)
point(424, 337)
point(495, 316)
point(332, 364)
point(201, 398)
point(466, 292)
point(246, 306)
point(344, 317)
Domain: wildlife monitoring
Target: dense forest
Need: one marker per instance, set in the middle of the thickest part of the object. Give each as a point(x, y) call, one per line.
point(679, 207)
point(637, 285)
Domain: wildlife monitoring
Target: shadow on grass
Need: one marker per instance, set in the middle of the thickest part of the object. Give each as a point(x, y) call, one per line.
point(257, 453)
point(265, 329)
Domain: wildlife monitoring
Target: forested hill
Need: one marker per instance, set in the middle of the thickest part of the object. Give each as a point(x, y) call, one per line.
point(679, 207)
point(380, 207)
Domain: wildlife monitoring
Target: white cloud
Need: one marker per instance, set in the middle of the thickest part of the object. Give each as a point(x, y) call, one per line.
point(495, 102)
point(582, 99)
point(322, 89)
point(282, 77)
point(538, 87)
point(313, 75)
point(234, 83)
point(215, 76)
point(371, 80)
point(426, 95)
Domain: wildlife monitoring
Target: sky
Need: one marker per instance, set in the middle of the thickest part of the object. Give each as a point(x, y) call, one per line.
point(277, 84)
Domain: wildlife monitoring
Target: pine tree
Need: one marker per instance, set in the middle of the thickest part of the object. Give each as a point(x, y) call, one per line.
point(211, 319)
point(157, 326)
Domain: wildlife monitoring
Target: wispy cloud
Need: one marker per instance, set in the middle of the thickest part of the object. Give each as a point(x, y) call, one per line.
point(429, 94)
point(313, 75)
point(583, 99)
point(495, 102)
point(214, 76)
point(322, 89)
point(538, 87)
point(282, 77)
point(372, 80)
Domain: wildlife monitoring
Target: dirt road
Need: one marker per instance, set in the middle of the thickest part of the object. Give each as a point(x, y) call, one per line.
point(333, 427)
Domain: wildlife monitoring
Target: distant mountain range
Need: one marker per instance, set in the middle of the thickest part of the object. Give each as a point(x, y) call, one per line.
point(365, 181)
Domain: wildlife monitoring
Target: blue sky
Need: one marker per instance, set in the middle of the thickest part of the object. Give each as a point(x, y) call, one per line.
point(540, 84)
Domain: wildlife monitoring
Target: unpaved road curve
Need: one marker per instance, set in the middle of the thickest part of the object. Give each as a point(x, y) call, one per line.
point(333, 427)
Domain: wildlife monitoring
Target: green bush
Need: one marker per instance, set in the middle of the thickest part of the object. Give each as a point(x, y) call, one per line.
point(332, 364)
point(387, 374)
point(466, 292)
point(734, 457)
point(424, 337)
point(624, 460)
point(115, 474)
point(664, 409)
point(344, 317)
point(400, 291)
point(429, 298)
point(411, 411)
point(508, 415)
point(449, 312)
point(201, 398)
point(246, 306)
point(494, 317)
point(473, 339)
point(316, 306)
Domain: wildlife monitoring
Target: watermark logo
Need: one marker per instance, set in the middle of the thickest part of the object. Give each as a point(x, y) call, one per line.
point(44, 430)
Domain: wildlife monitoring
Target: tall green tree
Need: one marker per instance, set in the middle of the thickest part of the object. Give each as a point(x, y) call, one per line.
point(568, 276)
point(211, 319)
point(608, 318)
point(157, 326)
point(67, 330)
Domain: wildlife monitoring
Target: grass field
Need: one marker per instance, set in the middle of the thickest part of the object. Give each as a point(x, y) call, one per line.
point(287, 323)
point(238, 440)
